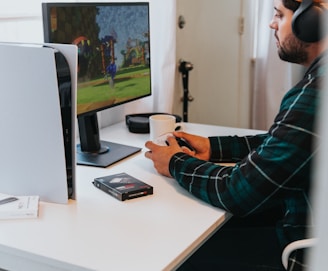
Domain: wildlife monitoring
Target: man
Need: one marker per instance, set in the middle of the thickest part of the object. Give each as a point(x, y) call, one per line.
point(111, 71)
point(272, 175)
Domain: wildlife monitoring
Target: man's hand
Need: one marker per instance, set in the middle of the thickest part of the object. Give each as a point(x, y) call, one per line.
point(161, 155)
point(201, 145)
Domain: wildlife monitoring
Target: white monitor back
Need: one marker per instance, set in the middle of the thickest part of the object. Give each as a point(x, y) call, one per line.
point(32, 153)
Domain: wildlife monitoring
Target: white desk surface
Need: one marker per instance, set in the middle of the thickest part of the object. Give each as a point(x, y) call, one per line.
point(98, 232)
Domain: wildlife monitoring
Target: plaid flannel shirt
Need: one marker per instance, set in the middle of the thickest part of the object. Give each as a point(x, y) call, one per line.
point(272, 169)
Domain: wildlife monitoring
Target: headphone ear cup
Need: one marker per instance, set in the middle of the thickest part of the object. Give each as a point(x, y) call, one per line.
point(306, 22)
point(307, 25)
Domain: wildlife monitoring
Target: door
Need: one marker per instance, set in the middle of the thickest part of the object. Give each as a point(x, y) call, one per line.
point(214, 39)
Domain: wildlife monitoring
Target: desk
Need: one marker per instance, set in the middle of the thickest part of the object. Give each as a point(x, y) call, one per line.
point(98, 232)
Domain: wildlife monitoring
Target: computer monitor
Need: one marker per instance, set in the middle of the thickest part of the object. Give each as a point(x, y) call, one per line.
point(113, 65)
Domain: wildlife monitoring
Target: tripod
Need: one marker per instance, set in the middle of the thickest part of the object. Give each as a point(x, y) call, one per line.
point(184, 68)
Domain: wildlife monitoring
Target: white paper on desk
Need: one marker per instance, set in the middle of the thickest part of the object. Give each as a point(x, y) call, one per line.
point(24, 207)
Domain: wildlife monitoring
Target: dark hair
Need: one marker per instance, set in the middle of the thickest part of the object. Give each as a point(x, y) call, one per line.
point(291, 4)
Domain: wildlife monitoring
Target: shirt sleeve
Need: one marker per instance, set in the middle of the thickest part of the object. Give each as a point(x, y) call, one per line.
point(233, 148)
point(268, 166)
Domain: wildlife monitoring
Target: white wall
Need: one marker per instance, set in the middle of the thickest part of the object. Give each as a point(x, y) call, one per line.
point(21, 21)
point(221, 79)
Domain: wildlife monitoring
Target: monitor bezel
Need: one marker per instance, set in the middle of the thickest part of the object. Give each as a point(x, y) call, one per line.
point(47, 38)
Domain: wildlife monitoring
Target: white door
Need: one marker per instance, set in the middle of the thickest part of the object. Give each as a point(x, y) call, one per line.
point(214, 41)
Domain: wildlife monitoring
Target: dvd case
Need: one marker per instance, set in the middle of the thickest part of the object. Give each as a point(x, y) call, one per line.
point(123, 186)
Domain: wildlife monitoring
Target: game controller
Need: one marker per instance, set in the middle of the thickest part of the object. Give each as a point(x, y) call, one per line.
point(162, 141)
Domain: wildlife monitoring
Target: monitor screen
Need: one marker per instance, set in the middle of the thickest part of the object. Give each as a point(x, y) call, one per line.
point(113, 64)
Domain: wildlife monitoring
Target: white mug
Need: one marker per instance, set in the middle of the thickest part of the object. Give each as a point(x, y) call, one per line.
point(162, 124)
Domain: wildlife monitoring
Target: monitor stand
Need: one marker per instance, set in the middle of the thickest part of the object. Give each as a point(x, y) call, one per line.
point(94, 152)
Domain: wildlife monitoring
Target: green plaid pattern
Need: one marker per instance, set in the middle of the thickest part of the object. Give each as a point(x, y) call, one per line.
point(272, 169)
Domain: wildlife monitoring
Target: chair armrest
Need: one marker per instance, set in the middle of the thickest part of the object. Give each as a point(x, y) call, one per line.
point(299, 244)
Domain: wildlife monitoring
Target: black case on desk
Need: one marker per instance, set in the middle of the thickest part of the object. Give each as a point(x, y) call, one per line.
point(139, 123)
point(123, 186)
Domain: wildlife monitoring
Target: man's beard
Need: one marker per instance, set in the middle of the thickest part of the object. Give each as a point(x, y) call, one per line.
point(293, 50)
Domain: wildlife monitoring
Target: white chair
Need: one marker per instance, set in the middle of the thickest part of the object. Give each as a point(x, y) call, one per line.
point(305, 243)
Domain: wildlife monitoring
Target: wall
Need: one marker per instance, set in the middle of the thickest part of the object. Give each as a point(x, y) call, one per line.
point(222, 55)
point(211, 40)
point(21, 21)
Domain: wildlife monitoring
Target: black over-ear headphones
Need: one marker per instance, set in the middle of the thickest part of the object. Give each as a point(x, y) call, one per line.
point(307, 21)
